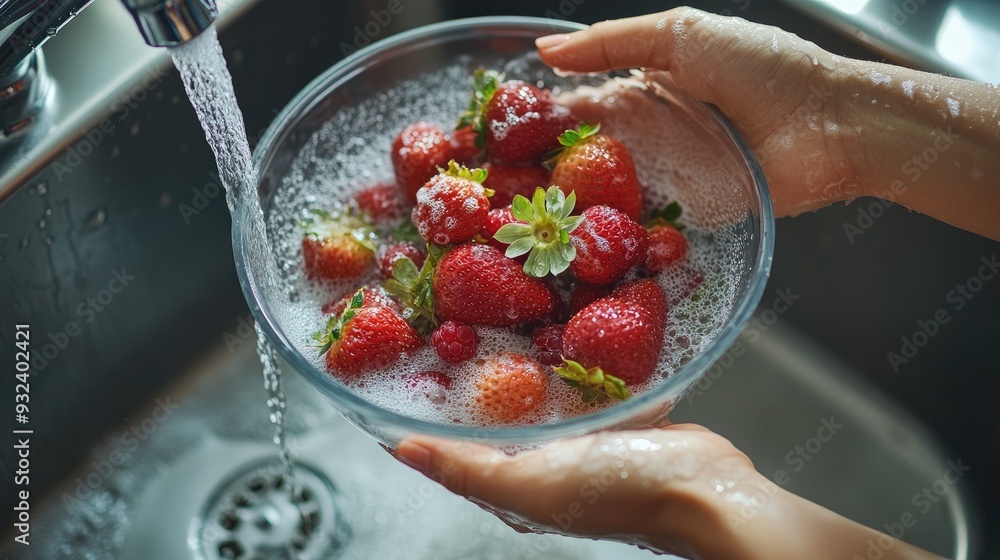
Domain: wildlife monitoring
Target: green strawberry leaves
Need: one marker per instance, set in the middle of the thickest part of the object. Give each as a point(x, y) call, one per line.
point(668, 215)
point(571, 138)
point(484, 85)
point(414, 289)
point(589, 380)
point(335, 326)
point(462, 172)
point(545, 236)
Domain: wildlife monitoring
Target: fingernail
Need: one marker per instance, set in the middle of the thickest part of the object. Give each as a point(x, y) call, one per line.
point(549, 41)
point(417, 457)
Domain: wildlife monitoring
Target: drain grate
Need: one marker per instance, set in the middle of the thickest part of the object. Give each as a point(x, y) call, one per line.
point(254, 516)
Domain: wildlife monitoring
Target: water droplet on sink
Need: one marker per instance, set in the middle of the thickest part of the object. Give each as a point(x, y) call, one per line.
point(42, 189)
point(42, 224)
point(25, 242)
point(95, 220)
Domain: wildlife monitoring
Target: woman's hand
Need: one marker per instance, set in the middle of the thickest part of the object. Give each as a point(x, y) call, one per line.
point(825, 128)
point(642, 487)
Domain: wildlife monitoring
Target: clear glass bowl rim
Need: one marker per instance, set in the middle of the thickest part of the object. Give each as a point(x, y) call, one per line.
point(355, 406)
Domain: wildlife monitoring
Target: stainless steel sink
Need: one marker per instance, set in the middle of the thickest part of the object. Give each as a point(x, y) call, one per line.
point(807, 423)
point(123, 188)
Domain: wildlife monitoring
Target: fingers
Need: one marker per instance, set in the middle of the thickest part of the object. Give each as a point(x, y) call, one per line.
point(645, 41)
point(468, 469)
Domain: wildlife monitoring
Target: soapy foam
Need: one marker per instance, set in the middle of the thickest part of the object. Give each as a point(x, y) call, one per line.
point(351, 152)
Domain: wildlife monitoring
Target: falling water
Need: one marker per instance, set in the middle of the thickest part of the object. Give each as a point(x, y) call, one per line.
point(210, 89)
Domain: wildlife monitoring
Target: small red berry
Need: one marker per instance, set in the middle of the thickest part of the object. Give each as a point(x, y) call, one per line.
point(455, 342)
point(549, 342)
point(395, 252)
point(496, 219)
point(381, 203)
point(666, 247)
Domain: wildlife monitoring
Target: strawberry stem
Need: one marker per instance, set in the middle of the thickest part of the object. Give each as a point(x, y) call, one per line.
point(415, 289)
point(594, 378)
point(545, 235)
point(334, 329)
point(484, 85)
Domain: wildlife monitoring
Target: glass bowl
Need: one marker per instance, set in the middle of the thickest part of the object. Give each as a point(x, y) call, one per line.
point(718, 179)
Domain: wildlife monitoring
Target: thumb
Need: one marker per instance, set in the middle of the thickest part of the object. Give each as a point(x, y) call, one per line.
point(468, 469)
point(647, 41)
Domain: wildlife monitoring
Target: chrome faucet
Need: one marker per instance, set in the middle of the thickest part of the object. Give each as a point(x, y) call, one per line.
point(25, 88)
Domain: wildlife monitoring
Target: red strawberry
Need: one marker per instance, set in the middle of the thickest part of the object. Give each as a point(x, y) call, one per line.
point(509, 180)
point(337, 246)
point(455, 342)
point(516, 122)
point(365, 337)
point(463, 140)
point(432, 385)
point(585, 294)
point(616, 340)
point(398, 251)
point(511, 386)
point(666, 247)
point(608, 243)
point(599, 169)
point(496, 219)
point(549, 342)
point(373, 296)
point(417, 153)
point(381, 203)
point(477, 285)
point(452, 206)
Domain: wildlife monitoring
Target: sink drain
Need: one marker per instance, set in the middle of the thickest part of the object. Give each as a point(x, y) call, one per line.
point(255, 517)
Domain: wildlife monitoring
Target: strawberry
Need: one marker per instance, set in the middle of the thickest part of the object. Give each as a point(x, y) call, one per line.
point(549, 342)
point(514, 121)
point(477, 285)
point(608, 243)
point(381, 203)
point(545, 234)
point(432, 385)
point(510, 386)
point(337, 245)
point(373, 296)
point(666, 247)
point(509, 180)
point(599, 169)
point(615, 341)
point(465, 150)
point(666, 243)
point(585, 294)
point(397, 251)
point(496, 219)
point(365, 337)
point(417, 153)
point(452, 206)
point(455, 342)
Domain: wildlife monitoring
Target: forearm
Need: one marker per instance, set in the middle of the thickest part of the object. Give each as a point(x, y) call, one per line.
point(758, 520)
point(928, 142)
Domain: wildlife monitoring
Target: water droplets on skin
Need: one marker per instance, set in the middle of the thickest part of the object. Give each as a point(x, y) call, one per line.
point(209, 87)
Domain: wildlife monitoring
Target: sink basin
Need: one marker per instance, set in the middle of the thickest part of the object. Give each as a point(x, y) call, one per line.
point(791, 408)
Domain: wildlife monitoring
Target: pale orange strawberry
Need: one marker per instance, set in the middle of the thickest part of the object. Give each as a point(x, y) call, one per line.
point(510, 387)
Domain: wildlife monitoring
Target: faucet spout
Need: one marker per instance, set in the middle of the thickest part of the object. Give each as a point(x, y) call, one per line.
point(26, 24)
point(168, 23)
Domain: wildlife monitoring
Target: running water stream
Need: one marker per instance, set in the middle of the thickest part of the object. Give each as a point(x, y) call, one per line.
point(209, 87)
